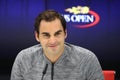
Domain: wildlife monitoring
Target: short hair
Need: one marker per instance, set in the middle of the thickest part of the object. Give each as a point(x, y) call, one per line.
point(49, 15)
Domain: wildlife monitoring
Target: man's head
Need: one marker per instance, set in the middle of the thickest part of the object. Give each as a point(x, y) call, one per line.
point(49, 16)
point(50, 31)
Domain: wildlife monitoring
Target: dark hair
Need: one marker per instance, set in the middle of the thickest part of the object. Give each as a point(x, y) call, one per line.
point(49, 15)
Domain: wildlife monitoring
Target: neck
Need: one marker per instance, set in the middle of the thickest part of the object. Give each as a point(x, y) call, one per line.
point(53, 58)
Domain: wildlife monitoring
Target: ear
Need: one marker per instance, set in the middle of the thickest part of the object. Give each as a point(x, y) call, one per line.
point(37, 36)
point(65, 34)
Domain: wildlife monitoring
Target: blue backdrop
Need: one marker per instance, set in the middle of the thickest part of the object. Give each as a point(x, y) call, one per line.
point(17, 32)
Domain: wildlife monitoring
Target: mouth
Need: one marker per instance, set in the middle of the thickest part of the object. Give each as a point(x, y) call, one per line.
point(52, 46)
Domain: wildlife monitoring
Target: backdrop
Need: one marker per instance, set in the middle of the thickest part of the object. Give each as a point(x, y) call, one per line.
point(100, 31)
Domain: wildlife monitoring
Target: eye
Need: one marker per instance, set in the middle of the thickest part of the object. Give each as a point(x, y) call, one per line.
point(46, 36)
point(57, 34)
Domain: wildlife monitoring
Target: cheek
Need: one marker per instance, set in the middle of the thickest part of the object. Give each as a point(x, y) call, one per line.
point(43, 42)
point(63, 38)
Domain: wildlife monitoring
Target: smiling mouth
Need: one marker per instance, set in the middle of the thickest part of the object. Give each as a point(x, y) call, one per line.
point(52, 46)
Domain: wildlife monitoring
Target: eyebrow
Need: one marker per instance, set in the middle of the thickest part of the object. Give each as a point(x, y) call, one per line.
point(58, 31)
point(46, 33)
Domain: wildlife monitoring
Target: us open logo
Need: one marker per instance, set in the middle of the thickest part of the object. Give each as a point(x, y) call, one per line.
point(81, 17)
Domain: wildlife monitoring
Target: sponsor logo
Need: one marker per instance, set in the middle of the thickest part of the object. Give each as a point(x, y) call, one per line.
point(81, 17)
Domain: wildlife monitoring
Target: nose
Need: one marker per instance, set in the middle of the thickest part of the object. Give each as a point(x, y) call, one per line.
point(52, 40)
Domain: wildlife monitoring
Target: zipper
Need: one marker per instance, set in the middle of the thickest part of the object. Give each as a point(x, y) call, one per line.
point(52, 71)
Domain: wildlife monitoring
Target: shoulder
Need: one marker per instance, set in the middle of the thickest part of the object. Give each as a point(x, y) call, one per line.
point(78, 50)
point(29, 53)
point(79, 53)
point(27, 58)
point(85, 59)
point(32, 49)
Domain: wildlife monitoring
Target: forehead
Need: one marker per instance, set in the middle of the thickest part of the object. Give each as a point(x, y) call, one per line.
point(51, 26)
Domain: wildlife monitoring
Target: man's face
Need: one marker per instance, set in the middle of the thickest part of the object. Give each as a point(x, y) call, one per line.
point(51, 37)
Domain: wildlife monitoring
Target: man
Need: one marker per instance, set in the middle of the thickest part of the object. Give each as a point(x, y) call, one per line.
point(53, 58)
